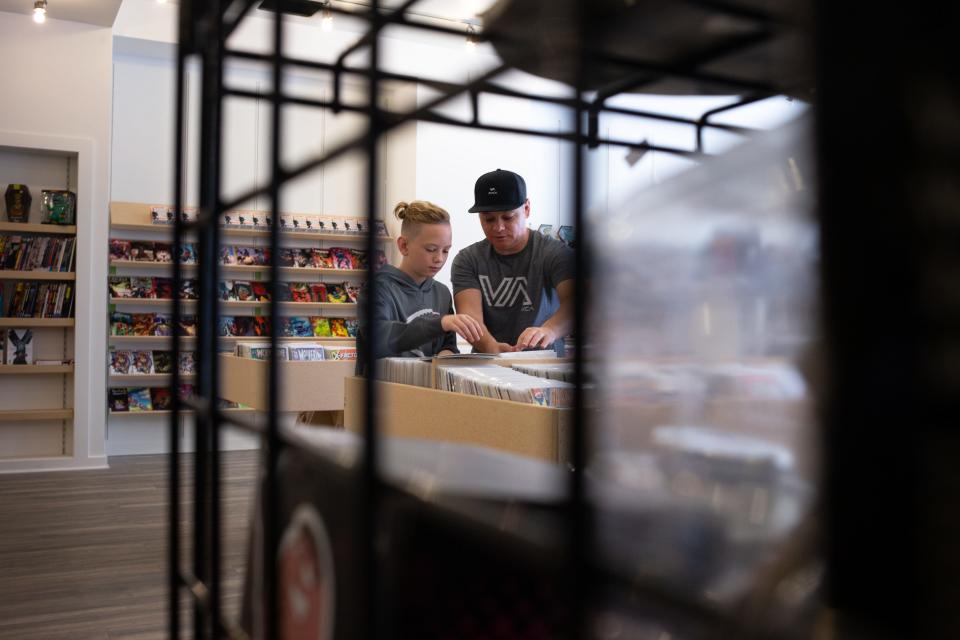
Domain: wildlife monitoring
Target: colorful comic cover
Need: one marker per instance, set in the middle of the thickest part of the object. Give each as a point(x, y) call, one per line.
point(225, 326)
point(353, 326)
point(261, 326)
point(188, 289)
point(338, 328)
point(188, 325)
point(353, 291)
point(162, 362)
point(162, 252)
point(321, 259)
point(139, 399)
point(342, 258)
point(158, 215)
point(228, 255)
point(340, 353)
point(243, 326)
point(143, 287)
point(119, 250)
point(120, 362)
point(318, 292)
point(162, 325)
point(143, 324)
point(246, 256)
point(120, 287)
point(260, 291)
point(336, 293)
point(188, 363)
point(165, 288)
point(243, 291)
point(188, 254)
point(118, 399)
point(287, 257)
point(161, 398)
point(141, 251)
point(299, 326)
point(121, 324)
point(320, 326)
point(359, 258)
point(299, 292)
point(302, 258)
point(225, 290)
point(142, 362)
point(261, 255)
point(185, 391)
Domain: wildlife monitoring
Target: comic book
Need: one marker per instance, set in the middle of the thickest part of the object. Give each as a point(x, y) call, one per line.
point(260, 291)
point(243, 291)
point(119, 287)
point(159, 215)
point(353, 291)
point(141, 251)
point(117, 399)
point(261, 255)
point(283, 292)
point(302, 258)
point(299, 326)
point(318, 292)
point(299, 292)
point(320, 326)
point(342, 258)
point(162, 325)
point(340, 353)
point(121, 324)
point(161, 398)
point(119, 362)
point(119, 250)
point(353, 326)
point(380, 228)
point(188, 325)
point(228, 256)
point(286, 222)
point(188, 253)
point(139, 399)
point(188, 289)
point(143, 324)
point(287, 257)
point(225, 290)
point(142, 362)
point(310, 351)
point(162, 252)
point(338, 328)
point(185, 391)
point(321, 259)
point(225, 326)
point(164, 288)
point(142, 287)
point(162, 362)
point(336, 293)
point(243, 326)
point(245, 256)
point(188, 363)
point(359, 258)
point(261, 326)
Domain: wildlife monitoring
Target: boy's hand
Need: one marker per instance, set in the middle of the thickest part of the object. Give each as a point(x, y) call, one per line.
point(536, 338)
point(465, 325)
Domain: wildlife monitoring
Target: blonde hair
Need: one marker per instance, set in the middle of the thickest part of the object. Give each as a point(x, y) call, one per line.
point(418, 212)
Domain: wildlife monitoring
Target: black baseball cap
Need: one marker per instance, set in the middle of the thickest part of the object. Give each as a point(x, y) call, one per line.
point(498, 190)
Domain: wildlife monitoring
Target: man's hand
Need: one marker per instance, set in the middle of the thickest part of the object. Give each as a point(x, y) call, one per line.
point(536, 338)
point(503, 347)
point(465, 325)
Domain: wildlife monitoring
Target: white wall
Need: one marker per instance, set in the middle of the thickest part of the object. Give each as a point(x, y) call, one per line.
point(58, 84)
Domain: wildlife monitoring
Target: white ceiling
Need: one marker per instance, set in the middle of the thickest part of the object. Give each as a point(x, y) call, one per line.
point(104, 12)
point(97, 12)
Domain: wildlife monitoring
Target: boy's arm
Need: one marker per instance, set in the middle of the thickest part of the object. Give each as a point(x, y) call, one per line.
point(469, 302)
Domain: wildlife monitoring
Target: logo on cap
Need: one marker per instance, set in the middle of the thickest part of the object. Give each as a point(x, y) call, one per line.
point(493, 191)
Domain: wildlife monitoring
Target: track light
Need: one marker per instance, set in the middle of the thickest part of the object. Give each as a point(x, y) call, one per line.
point(326, 17)
point(472, 38)
point(40, 11)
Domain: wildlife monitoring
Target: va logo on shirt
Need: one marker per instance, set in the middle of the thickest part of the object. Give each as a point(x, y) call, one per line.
point(507, 292)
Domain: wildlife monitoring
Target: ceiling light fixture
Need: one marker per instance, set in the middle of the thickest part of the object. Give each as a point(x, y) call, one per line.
point(326, 17)
point(40, 11)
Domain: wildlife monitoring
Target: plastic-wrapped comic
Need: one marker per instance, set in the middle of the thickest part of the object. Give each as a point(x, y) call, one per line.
point(562, 371)
point(412, 371)
point(494, 381)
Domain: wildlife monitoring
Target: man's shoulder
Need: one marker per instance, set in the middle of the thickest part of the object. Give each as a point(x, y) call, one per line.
point(476, 251)
point(547, 244)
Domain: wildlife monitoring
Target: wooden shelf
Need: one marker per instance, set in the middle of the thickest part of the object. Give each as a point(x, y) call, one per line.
point(9, 274)
point(25, 415)
point(236, 304)
point(34, 369)
point(239, 268)
point(52, 229)
point(166, 412)
point(189, 340)
point(36, 322)
point(144, 380)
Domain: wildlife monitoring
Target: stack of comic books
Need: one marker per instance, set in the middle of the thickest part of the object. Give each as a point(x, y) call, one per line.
point(41, 300)
point(150, 251)
point(562, 371)
point(37, 253)
point(493, 381)
point(412, 371)
point(123, 362)
point(339, 353)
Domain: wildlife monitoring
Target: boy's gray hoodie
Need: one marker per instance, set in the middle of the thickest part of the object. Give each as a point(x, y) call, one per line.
point(408, 317)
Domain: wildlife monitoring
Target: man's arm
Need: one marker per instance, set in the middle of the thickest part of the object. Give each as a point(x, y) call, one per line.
point(556, 326)
point(469, 302)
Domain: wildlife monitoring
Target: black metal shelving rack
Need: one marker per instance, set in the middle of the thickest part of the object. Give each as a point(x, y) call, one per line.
point(851, 163)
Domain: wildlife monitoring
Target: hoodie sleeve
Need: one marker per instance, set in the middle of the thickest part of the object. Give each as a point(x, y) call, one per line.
point(394, 334)
point(449, 337)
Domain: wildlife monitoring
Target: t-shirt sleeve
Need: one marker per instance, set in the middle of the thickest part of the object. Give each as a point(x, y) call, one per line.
point(558, 263)
point(463, 273)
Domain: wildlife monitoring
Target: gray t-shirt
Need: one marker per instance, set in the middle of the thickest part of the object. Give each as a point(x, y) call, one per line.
point(519, 290)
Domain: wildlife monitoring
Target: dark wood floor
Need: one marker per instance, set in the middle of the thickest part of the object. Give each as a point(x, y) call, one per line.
point(82, 554)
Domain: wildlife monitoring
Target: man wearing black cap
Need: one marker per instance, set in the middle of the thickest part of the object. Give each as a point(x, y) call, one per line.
point(517, 282)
